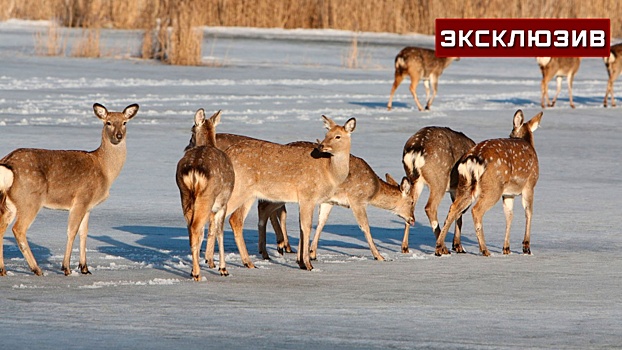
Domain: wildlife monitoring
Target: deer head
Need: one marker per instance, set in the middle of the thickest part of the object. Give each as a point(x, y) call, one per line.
point(337, 138)
point(114, 122)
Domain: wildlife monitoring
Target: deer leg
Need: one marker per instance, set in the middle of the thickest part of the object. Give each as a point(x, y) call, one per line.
point(434, 83)
point(323, 214)
point(360, 214)
point(236, 220)
point(76, 215)
point(196, 230)
point(485, 202)
point(398, 80)
point(437, 191)
point(210, 244)
point(559, 89)
point(414, 80)
point(306, 220)
point(527, 199)
point(608, 92)
point(264, 211)
point(279, 222)
point(416, 192)
point(83, 232)
point(570, 79)
point(457, 243)
point(462, 202)
point(426, 85)
point(544, 88)
point(216, 228)
point(7, 214)
point(508, 205)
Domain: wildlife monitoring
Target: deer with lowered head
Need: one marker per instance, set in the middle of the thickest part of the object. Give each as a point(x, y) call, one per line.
point(76, 181)
point(430, 158)
point(613, 63)
point(557, 67)
point(285, 173)
point(419, 63)
point(205, 179)
point(493, 169)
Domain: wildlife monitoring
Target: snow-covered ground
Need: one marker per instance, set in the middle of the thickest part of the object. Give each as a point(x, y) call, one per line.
point(275, 84)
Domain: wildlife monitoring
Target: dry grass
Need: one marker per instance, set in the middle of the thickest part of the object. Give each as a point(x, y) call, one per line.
point(88, 45)
point(50, 42)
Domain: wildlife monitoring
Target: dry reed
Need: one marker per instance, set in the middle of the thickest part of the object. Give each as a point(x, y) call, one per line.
point(88, 45)
point(50, 42)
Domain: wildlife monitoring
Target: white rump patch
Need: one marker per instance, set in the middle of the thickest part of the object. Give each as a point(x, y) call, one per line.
point(193, 179)
point(610, 59)
point(6, 178)
point(543, 61)
point(471, 170)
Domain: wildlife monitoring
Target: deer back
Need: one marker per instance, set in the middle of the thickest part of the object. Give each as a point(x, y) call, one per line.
point(555, 66)
point(422, 60)
point(614, 61)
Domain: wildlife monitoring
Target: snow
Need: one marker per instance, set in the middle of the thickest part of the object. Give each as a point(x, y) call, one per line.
point(275, 85)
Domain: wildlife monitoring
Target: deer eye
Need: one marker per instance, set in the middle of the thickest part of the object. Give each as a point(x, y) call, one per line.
point(338, 137)
point(108, 123)
point(124, 123)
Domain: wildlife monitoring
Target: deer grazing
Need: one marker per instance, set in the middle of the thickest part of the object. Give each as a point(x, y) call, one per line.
point(71, 180)
point(429, 158)
point(282, 173)
point(557, 67)
point(494, 169)
point(614, 67)
point(361, 188)
point(419, 63)
point(205, 178)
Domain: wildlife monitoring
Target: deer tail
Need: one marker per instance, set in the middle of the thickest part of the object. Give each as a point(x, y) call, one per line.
point(6, 181)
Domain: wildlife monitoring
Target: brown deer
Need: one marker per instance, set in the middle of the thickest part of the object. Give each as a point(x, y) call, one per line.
point(614, 67)
point(361, 188)
point(430, 158)
point(205, 178)
point(71, 180)
point(493, 169)
point(282, 173)
point(557, 67)
point(419, 63)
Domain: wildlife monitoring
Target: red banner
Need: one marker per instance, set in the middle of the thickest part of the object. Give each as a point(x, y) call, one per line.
point(524, 37)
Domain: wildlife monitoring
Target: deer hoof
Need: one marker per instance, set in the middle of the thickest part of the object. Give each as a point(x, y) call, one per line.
point(405, 250)
point(196, 277)
point(2, 272)
point(223, 271)
point(458, 249)
point(249, 265)
point(441, 250)
point(485, 252)
point(506, 250)
point(84, 269)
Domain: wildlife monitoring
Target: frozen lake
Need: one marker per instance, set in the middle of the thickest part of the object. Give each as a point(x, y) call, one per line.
point(275, 85)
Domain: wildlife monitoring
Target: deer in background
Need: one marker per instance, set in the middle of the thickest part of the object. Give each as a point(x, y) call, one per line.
point(614, 67)
point(557, 67)
point(205, 179)
point(494, 169)
point(419, 63)
point(71, 180)
point(282, 173)
point(430, 158)
point(361, 188)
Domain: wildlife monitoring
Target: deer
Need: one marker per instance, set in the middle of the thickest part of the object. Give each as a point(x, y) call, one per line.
point(419, 63)
point(613, 63)
point(491, 170)
point(77, 181)
point(557, 67)
point(361, 188)
point(285, 173)
point(430, 157)
point(205, 179)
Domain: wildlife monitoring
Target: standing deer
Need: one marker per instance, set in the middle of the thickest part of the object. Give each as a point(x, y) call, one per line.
point(493, 169)
point(557, 67)
point(430, 158)
point(282, 173)
point(71, 180)
point(205, 178)
point(419, 63)
point(614, 67)
point(361, 188)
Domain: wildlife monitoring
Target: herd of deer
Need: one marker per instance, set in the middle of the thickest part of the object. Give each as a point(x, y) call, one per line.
point(222, 175)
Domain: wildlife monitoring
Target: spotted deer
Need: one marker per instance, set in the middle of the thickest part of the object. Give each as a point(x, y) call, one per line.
point(361, 188)
point(557, 67)
point(494, 169)
point(285, 173)
point(76, 181)
point(205, 179)
point(430, 157)
point(614, 67)
point(419, 63)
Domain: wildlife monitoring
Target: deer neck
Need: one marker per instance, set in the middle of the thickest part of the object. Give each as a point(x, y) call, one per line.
point(111, 157)
point(340, 166)
point(385, 196)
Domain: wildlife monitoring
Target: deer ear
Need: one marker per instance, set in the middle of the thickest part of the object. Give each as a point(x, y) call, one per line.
point(390, 179)
point(100, 111)
point(130, 111)
point(199, 117)
point(518, 119)
point(534, 123)
point(328, 123)
point(215, 118)
point(350, 125)
point(405, 186)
